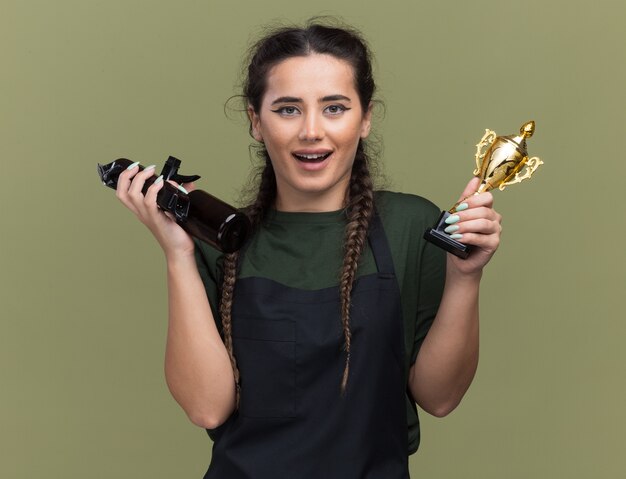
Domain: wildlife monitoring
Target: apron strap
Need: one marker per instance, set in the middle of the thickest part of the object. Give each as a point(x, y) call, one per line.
point(380, 246)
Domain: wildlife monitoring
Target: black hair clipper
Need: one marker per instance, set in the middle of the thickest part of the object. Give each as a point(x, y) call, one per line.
point(200, 214)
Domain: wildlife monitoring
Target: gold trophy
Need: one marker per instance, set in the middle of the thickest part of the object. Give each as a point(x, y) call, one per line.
point(498, 167)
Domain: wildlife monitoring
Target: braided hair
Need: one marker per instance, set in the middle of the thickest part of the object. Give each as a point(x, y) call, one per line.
point(287, 42)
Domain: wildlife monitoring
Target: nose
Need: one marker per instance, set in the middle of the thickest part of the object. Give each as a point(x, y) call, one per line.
point(312, 128)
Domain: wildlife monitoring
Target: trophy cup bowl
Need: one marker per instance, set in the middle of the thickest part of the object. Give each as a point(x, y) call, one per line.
point(505, 162)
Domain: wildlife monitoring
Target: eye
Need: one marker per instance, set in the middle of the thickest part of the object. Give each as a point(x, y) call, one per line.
point(287, 111)
point(335, 109)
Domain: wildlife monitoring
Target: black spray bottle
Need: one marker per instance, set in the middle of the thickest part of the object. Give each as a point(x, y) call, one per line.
point(200, 214)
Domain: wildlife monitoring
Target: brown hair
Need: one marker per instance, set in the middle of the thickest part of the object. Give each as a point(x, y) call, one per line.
point(348, 45)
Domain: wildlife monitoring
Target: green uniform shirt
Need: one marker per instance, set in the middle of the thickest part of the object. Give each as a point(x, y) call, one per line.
point(305, 251)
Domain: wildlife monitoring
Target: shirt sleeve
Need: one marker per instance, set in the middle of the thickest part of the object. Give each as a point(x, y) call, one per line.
point(432, 277)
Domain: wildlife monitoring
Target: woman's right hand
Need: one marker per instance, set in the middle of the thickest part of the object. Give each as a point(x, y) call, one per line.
point(174, 241)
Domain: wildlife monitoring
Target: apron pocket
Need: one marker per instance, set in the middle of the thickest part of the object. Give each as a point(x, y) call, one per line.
point(266, 357)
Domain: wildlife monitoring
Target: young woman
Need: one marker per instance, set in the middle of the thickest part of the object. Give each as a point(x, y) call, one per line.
point(305, 353)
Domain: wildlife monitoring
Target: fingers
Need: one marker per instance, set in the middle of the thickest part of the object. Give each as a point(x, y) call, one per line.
point(487, 242)
point(149, 200)
point(123, 185)
point(474, 221)
point(470, 188)
point(179, 186)
point(129, 191)
point(131, 185)
point(483, 219)
point(189, 186)
point(138, 182)
point(479, 226)
point(476, 201)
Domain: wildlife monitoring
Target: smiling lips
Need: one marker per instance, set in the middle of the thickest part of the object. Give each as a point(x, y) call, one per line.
point(311, 157)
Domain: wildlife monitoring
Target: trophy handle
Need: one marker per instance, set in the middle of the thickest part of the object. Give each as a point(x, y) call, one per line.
point(486, 141)
point(529, 168)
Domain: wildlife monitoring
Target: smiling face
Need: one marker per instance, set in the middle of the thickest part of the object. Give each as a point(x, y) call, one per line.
point(311, 122)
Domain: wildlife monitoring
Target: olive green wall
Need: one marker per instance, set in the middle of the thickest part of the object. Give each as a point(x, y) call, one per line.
point(82, 290)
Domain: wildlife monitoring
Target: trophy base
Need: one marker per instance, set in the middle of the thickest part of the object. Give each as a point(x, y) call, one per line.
point(439, 237)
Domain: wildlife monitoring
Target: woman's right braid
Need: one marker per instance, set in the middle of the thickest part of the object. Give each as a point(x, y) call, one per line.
point(255, 212)
point(359, 212)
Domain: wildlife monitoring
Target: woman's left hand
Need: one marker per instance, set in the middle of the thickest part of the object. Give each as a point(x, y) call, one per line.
point(480, 227)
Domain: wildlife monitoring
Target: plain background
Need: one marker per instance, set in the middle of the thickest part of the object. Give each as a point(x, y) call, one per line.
point(82, 293)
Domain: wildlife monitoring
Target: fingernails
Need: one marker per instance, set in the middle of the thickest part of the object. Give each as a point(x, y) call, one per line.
point(149, 167)
point(456, 236)
point(452, 219)
point(158, 180)
point(183, 190)
point(451, 229)
point(132, 165)
point(462, 207)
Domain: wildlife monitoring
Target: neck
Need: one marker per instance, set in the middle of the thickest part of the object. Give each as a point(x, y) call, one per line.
point(309, 202)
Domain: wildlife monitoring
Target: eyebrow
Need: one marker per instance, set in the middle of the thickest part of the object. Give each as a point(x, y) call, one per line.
point(293, 99)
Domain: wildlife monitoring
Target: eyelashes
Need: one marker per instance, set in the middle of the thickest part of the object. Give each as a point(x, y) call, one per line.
point(331, 110)
point(286, 111)
point(336, 109)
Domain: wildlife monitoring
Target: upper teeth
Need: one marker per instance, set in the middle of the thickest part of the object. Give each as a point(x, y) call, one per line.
point(312, 157)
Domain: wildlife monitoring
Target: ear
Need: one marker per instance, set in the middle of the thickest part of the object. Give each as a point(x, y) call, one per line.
point(255, 124)
point(366, 122)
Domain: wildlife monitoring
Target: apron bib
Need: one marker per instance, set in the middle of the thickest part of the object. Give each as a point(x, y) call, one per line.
point(293, 422)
